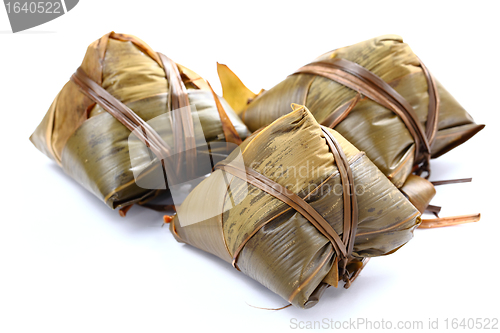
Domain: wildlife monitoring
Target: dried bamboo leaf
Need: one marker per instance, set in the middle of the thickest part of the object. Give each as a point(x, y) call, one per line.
point(233, 90)
point(419, 191)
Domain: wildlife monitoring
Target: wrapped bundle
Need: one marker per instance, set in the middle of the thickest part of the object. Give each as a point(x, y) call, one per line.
point(377, 94)
point(297, 208)
point(121, 86)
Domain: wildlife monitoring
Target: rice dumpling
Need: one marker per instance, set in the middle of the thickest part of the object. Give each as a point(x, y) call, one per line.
point(121, 86)
point(377, 94)
point(297, 208)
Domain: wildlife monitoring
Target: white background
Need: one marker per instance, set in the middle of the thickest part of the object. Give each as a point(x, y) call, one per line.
point(70, 264)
